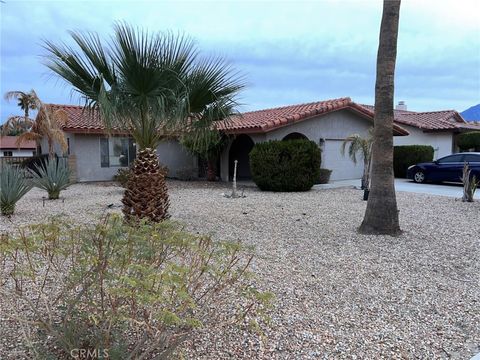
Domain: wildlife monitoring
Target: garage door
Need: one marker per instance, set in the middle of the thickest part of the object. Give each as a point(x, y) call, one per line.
point(342, 167)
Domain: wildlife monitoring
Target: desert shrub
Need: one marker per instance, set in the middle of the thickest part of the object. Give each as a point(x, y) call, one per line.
point(406, 155)
point(133, 291)
point(324, 176)
point(122, 176)
point(469, 140)
point(13, 185)
point(53, 176)
point(291, 165)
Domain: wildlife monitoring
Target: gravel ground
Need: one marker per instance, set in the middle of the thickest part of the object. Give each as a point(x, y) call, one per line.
point(338, 294)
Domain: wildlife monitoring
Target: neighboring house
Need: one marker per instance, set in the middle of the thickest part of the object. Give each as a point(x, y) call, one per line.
point(9, 147)
point(436, 128)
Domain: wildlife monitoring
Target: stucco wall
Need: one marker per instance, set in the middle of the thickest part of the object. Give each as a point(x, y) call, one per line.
point(332, 128)
point(441, 142)
point(87, 150)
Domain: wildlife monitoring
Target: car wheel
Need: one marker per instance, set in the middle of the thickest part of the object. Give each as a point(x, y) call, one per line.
point(419, 176)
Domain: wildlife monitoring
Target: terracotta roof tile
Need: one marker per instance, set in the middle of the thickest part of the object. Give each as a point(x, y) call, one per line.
point(10, 142)
point(261, 121)
point(431, 120)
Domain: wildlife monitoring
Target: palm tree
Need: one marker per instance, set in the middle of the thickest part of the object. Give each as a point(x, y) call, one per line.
point(357, 144)
point(47, 125)
point(152, 85)
point(381, 215)
point(15, 125)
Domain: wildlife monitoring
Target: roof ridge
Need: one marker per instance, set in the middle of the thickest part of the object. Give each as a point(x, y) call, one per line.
point(301, 104)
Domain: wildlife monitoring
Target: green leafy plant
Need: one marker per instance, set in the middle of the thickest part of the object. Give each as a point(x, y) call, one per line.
point(13, 185)
point(52, 176)
point(324, 176)
point(469, 140)
point(406, 155)
point(122, 176)
point(363, 146)
point(135, 292)
point(292, 165)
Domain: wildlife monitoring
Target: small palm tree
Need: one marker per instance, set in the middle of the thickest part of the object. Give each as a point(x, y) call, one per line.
point(153, 85)
point(16, 125)
point(357, 144)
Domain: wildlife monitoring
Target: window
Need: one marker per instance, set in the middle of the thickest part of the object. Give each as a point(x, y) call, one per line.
point(8, 153)
point(116, 151)
point(451, 159)
point(471, 158)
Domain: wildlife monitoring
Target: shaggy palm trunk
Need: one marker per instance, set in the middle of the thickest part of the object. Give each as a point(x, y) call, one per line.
point(381, 215)
point(146, 194)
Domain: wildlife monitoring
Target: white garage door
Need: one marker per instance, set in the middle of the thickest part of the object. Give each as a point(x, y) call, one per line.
point(342, 167)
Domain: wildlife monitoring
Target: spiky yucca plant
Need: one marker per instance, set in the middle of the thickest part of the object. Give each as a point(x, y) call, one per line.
point(152, 85)
point(53, 176)
point(13, 186)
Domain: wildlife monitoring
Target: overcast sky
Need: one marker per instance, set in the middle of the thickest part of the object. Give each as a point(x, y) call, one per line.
point(290, 52)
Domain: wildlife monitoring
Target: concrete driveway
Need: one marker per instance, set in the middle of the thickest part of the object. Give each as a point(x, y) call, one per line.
point(447, 189)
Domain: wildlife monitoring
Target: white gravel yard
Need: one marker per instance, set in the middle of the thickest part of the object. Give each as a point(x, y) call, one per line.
point(338, 294)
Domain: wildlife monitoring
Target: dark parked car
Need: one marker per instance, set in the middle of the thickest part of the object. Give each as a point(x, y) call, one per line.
point(448, 168)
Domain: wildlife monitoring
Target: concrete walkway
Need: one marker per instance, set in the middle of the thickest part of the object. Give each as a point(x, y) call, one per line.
point(451, 190)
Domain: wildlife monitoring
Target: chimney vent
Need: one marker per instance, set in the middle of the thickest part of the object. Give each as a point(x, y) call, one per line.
point(401, 106)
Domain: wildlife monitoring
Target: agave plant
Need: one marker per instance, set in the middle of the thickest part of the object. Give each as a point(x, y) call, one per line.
point(13, 185)
point(53, 176)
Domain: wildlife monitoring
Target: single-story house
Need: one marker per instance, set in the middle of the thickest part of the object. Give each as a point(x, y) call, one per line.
point(9, 147)
point(96, 156)
point(436, 128)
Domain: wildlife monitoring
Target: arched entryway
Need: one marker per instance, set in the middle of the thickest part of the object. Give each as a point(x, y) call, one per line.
point(295, 136)
point(239, 150)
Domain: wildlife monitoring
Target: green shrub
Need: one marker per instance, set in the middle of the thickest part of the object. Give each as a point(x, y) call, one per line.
point(122, 176)
point(324, 177)
point(406, 155)
point(135, 291)
point(469, 140)
point(53, 176)
point(13, 185)
point(292, 165)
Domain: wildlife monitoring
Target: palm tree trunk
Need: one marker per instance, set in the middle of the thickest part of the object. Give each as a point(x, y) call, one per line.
point(381, 215)
point(146, 194)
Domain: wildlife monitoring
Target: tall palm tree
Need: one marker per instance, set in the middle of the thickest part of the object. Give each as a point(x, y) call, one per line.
point(152, 85)
point(381, 215)
point(357, 144)
point(16, 125)
point(47, 125)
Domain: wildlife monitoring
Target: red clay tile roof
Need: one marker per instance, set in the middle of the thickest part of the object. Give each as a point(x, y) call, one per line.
point(81, 121)
point(262, 121)
point(9, 142)
point(443, 120)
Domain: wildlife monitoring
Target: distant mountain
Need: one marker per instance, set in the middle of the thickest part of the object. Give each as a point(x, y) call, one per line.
point(472, 113)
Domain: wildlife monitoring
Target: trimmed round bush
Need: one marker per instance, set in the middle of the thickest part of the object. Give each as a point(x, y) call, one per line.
point(407, 155)
point(324, 177)
point(469, 140)
point(292, 165)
